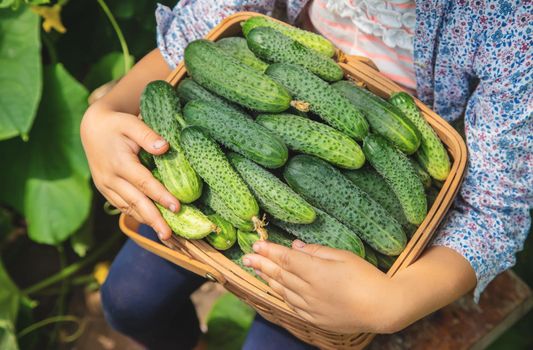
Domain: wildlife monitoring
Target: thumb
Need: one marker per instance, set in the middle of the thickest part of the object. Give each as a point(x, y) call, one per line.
point(141, 134)
point(320, 251)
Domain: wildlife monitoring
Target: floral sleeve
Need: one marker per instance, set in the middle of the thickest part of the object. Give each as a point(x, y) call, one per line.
point(491, 217)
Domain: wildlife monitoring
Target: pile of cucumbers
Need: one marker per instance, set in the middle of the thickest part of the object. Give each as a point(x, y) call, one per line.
point(267, 141)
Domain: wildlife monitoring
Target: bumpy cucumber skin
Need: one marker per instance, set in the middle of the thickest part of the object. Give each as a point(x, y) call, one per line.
point(432, 154)
point(211, 164)
point(425, 178)
point(326, 188)
point(384, 118)
point(223, 75)
point(160, 109)
point(273, 46)
point(238, 48)
point(246, 240)
point(274, 196)
point(371, 256)
point(311, 40)
point(226, 235)
point(213, 200)
point(314, 138)
point(189, 90)
point(325, 230)
point(188, 222)
point(385, 262)
point(395, 167)
point(238, 132)
point(323, 100)
point(368, 180)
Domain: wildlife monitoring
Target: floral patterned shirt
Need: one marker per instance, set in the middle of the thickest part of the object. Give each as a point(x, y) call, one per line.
point(472, 58)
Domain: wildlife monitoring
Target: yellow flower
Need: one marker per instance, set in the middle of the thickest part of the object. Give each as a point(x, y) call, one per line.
point(100, 272)
point(51, 16)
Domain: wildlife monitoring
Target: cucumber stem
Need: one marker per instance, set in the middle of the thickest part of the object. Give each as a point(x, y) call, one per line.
point(302, 106)
point(259, 227)
point(181, 121)
point(341, 56)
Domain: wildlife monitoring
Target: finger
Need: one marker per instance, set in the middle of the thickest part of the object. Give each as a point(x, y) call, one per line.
point(135, 173)
point(276, 272)
point(118, 202)
point(321, 251)
point(290, 260)
point(140, 133)
point(139, 203)
point(293, 299)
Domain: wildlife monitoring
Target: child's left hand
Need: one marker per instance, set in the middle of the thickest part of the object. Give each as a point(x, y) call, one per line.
point(333, 289)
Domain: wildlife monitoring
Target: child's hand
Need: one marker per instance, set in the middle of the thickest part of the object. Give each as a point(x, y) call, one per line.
point(111, 141)
point(333, 289)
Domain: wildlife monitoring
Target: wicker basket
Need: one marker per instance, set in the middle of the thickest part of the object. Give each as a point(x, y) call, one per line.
point(201, 258)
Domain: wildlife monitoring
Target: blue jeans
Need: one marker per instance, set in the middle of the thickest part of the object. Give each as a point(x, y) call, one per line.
point(148, 299)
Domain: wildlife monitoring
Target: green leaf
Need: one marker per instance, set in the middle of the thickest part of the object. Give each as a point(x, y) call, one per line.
point(48, 176)
point(20, 75)
point(228, 323)
point(108, 68)
point(9, 304)
point(7, 3)
point(83, 239)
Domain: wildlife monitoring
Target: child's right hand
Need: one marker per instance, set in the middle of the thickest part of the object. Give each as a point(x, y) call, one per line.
point(112, 141)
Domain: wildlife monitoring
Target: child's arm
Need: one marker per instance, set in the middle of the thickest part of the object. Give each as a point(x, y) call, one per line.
point(339, 291)
point(112, 135)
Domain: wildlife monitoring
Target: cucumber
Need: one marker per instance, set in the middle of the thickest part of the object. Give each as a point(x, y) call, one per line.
point(213, 201)
point(368, 180)
point(189, 222)
point(272, 46)
point(226, 235)
point(384, 118)
point(237, 47)
point(223, 75)
point(311, 40)
point(314, 138)
point(275, 235)
point(274, 196)
point(395, 167)
point(146, 159)
point(212, 165)
point(323, 100)
point(371, 256)
point(425, 178)
point(237, 131)
point(160, 109)
point(385, 262)
point(432, 155)
point(326, 188)
point(189, 90)
point(325, 230)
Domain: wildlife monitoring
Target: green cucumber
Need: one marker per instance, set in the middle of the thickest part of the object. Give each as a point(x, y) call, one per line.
point(223, 75)
point(432, 154)
point(323, 100)
point(371, 256)
point(160, 110)
point(226, 235)
point(314, 138)
point(237, 131)
point(309, 39)
point(272, 46)
point(384, 118)
point(189, 90)
point(325, 230)
point(425, 178)
point(213, 201)
point(368, 180)
point(146, 159)
point(385, 262)
point(326, 188)
point(399, 173)
point(238, 48)
point(246, 240)
point(189, 222)
point(274, 196)
point(212, 165)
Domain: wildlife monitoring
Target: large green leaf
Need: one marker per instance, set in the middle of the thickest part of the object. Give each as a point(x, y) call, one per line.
point(20, 75)
point(9, 305)
point(228, 323)
point(48, 177)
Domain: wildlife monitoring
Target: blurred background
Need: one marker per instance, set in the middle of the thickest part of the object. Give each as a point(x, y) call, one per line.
point(56, 237)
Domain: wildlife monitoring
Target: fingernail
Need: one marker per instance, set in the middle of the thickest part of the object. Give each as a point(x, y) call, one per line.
point(172, 207)
point(246, 261)
point(161, 236)
point(257, 246)
point(298, 244)
point(159, 144)
point(257, 272)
